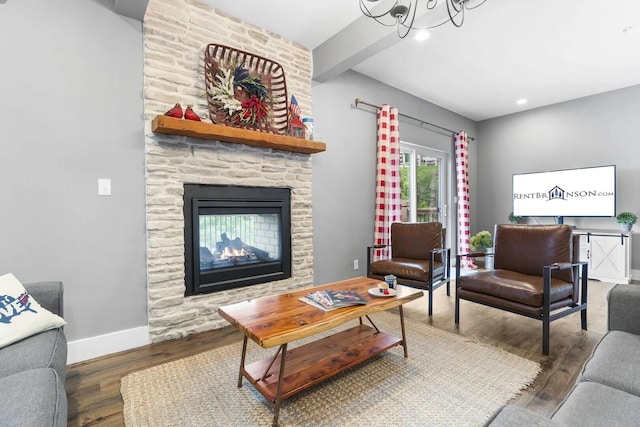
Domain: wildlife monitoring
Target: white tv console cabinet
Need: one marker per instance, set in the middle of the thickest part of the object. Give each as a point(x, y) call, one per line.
point(608, 253)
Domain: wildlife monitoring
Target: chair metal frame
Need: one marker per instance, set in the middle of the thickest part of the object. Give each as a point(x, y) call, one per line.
point(434, 282)
point(546, 316)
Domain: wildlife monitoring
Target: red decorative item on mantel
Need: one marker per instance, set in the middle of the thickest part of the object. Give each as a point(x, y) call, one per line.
point(189, 114)
point(176, 112)
point(296, 127)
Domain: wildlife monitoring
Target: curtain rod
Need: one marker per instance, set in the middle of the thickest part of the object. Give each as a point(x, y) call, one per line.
point(360, 101)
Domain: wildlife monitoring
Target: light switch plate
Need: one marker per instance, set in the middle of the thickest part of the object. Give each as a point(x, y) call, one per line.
point(104, 187)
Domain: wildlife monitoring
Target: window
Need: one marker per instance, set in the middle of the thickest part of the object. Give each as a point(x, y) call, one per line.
point(423, 184)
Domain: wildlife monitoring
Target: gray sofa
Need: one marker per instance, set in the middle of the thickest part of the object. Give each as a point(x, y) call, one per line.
point(33, 370)
point(607, 392)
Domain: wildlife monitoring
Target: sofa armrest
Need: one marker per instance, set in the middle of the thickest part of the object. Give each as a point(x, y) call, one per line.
point(624, 308)
point(516, 416)
point(48, 294)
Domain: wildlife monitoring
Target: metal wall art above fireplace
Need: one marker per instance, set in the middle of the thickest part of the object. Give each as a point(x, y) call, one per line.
point(235, 236)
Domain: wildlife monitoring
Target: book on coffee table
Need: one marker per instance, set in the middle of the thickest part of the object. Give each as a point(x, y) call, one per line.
point(331, 299)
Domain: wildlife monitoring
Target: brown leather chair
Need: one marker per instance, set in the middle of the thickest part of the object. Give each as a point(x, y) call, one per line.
point(418, 258)
point(536, 274)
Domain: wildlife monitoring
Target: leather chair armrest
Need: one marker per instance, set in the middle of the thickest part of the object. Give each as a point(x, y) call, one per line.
point(377, 247)
point(445, 254)
point(579, 271)
point(567, 265)
point(546, 273)
point(445, 258)
point(473, 255)
point(370, 250)
point(470, 255)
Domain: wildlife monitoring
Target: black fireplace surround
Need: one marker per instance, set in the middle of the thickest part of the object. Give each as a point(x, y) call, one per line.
point(235, 236)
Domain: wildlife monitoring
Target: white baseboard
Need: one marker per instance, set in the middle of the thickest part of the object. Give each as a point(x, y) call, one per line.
point(90, 348)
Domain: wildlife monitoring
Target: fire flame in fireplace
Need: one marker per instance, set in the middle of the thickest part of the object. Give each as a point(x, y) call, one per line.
point(233, 253)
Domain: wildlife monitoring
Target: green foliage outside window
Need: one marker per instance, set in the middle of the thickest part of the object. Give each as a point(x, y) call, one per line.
point(427, 185)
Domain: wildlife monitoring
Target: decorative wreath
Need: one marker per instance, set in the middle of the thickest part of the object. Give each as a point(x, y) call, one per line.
point(243, 96)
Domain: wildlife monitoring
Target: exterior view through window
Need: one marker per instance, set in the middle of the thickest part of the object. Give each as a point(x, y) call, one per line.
point(422, 183)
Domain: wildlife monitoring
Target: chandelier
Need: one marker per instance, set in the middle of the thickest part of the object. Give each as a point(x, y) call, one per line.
point(403, 13)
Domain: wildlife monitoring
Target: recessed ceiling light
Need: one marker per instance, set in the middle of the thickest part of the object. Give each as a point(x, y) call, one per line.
point(422, 35)
point(521, 101)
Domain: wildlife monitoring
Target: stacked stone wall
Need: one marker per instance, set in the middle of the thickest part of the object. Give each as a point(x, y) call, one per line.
point(176, 33)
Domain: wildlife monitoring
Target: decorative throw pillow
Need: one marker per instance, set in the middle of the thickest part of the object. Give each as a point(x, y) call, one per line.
point(20, 315)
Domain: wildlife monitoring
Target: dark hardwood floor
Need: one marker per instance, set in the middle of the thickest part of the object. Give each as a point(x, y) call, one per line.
point(93, 387)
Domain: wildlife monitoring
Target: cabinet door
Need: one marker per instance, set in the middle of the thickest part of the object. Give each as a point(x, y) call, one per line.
point(607, 257)
point(583, 253)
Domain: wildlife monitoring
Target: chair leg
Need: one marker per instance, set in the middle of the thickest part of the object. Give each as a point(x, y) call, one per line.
point(457, 310)
point(583, 295)
point(545, 337)
point(430, 303)
point(448, 289)
point(546, 308)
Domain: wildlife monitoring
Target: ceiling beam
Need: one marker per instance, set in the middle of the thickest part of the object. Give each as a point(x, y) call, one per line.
point(364, 38)
point(354, 44)
point(132, 8)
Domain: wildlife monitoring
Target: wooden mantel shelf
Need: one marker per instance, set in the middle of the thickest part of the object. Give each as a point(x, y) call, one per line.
point(173, 126)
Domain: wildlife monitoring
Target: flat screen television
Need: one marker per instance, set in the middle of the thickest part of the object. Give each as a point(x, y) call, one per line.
point(583, 192)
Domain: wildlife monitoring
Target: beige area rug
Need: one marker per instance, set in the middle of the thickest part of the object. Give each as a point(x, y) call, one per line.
point(447, 380)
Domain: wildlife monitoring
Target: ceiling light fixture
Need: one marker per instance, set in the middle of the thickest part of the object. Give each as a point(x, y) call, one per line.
point(403, 13)
point(522, 101)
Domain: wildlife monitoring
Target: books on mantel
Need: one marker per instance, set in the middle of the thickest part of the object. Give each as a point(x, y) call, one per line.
point(332, 299)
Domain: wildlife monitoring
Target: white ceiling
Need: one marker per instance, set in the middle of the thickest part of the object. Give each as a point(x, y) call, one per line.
point(546, 51)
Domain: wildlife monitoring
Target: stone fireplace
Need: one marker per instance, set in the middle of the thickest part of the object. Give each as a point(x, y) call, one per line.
point(176, 33)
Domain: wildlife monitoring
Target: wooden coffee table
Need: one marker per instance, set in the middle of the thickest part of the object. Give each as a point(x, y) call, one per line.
point(278, 320)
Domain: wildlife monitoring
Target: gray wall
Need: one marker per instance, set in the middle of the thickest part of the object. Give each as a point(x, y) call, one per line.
point(70, 113)
point(596, 130)
point(344, 175)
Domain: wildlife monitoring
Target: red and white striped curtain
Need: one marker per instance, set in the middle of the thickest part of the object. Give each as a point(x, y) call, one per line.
point(462, 179)
point(387, 177)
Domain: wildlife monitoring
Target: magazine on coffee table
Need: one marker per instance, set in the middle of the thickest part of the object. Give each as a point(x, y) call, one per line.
point(332, 299)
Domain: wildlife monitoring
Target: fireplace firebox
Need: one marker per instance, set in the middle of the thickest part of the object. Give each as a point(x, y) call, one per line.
point(235, 236)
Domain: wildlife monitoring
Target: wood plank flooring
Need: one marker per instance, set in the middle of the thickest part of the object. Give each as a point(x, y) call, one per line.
point(93, 387)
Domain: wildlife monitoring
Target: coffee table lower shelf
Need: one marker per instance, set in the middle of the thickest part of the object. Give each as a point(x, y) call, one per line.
point(312, 363)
